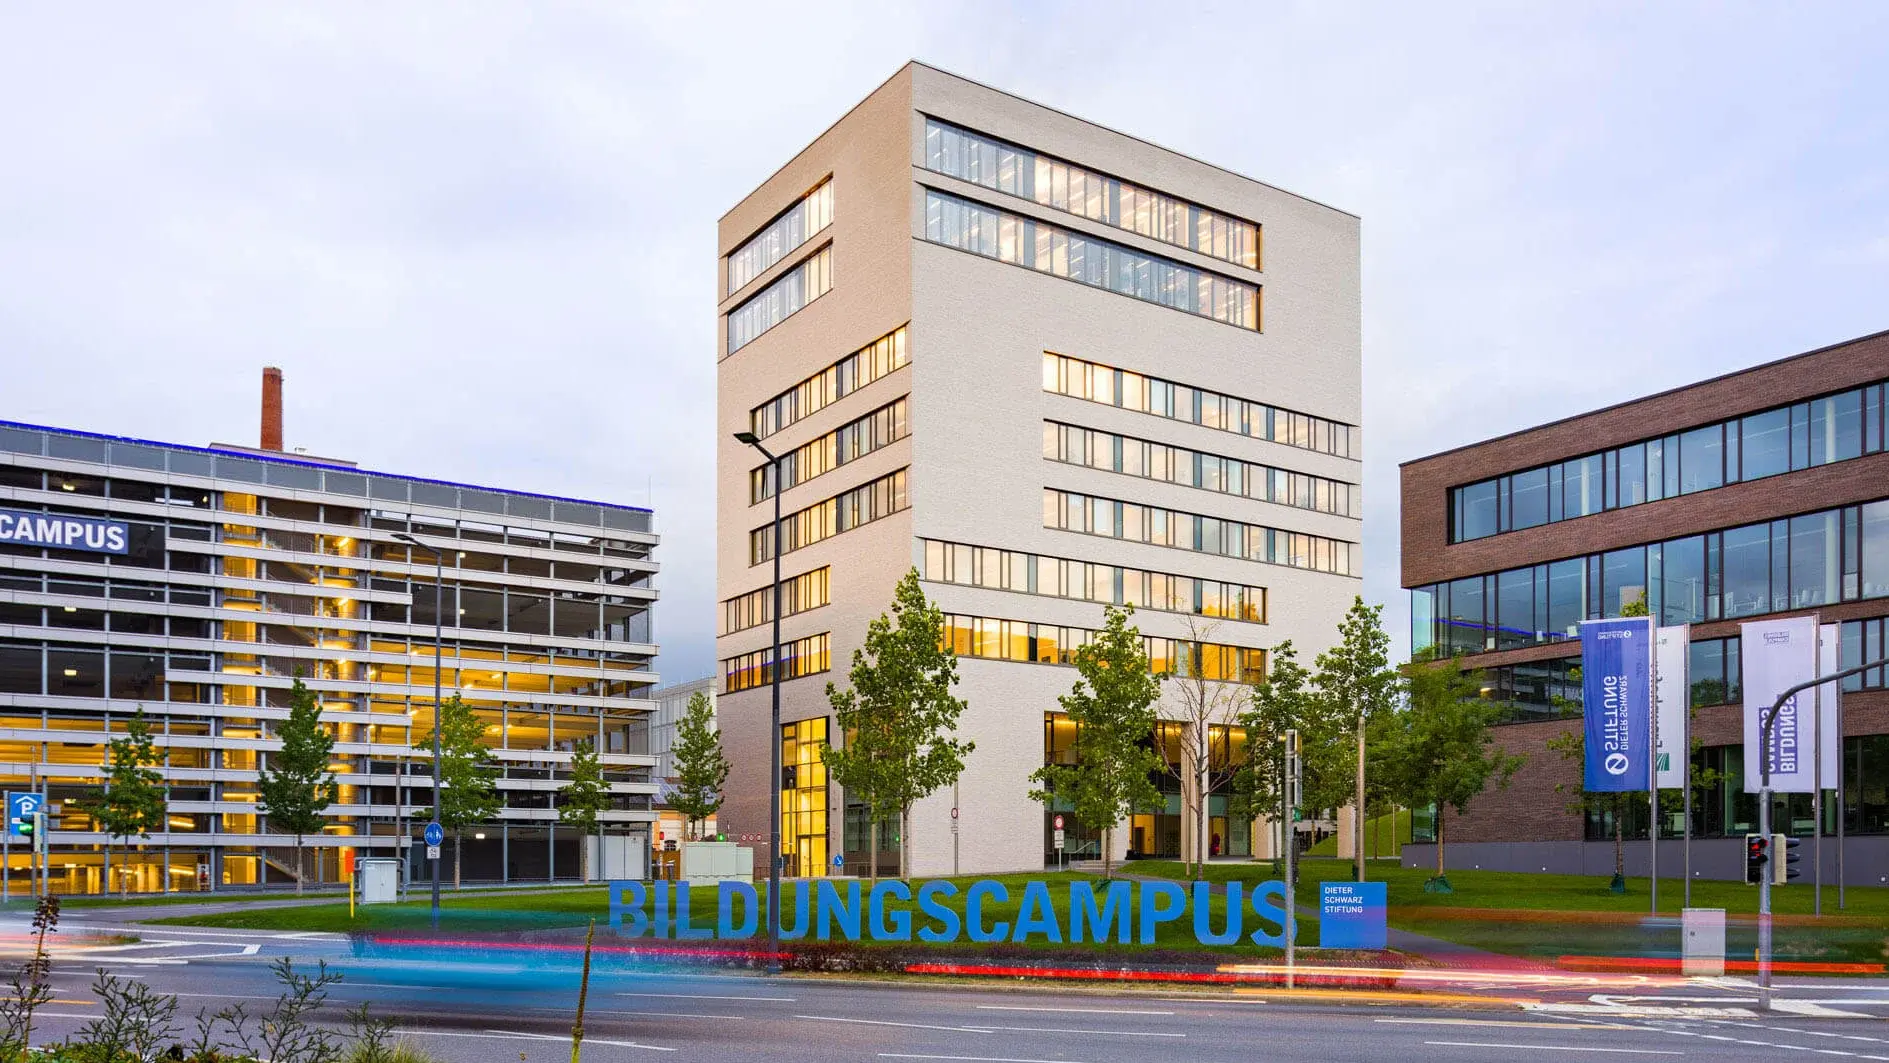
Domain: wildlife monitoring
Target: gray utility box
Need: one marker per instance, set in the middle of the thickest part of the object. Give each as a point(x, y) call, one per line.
point(1703, 932)
point(380, 880)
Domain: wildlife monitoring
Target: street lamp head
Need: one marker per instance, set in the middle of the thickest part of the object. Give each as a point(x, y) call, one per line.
point(405, 538)
point(747, 437)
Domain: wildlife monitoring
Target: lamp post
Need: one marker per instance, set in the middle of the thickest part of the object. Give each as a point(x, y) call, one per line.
point(439, 618)
point(774, 733)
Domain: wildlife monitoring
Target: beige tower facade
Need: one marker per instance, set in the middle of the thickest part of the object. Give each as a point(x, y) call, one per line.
point(1051, 367)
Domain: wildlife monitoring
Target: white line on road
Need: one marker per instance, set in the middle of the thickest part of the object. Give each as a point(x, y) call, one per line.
point(1557, 1048)
point(1077, 1011)
point(1504, 1022)
point(705, 996)
point(905, 1025)
point(974, 1059)
point(1097, 1033)
point(588, 1040)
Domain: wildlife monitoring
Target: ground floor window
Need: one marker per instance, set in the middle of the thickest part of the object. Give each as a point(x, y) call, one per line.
point(803, 798)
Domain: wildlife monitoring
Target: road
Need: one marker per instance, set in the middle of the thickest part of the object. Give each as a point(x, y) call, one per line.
point(471, 1013)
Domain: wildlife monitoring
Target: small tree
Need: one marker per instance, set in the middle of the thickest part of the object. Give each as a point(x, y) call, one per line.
point(132, 800)
point(296, 786)
point(899, 718)
point(1203, 705)
point(701, 767)
point(1356, 677)
point(1112, 706)
point(466, 773)
point(1287, 700)
point(581, 799)
point(1438, 751)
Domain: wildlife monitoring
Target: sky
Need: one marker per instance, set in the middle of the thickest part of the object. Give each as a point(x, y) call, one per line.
point(479, 238)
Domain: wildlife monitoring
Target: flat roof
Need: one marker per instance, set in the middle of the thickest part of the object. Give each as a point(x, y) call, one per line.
point(315, 464)
point(1646, 398)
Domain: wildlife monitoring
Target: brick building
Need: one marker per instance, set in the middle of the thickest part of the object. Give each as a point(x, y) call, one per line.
point(1763, 492)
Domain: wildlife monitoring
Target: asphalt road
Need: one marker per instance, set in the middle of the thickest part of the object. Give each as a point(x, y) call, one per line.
point(473, 1012)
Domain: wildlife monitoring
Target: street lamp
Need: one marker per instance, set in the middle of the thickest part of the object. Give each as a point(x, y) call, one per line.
point(439, 616)
point(774, 734)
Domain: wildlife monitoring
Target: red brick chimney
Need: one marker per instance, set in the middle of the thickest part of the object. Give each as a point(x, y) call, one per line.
point(271, 408)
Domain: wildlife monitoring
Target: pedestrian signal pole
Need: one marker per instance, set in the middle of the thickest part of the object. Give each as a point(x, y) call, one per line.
point(1293, 776)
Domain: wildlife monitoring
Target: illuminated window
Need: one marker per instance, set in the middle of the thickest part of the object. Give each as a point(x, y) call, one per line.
point(798, 224)
point(878, 358)
point(803, 798)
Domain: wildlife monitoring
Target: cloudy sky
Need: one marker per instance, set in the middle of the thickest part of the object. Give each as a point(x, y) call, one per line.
point(479, 238)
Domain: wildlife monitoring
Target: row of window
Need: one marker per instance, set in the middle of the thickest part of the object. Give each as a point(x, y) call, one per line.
point(823, 520)
point(1057, 577)
point(1786, 439)
point(1046, 248)
point(854, 440)
point(78, 672)
point(1068, 511)
point(1191, 468)
point(118, 590)
point(807, 218)
point(876, 359)
point(1801, 562)
point(286, 472)
point(1063, 375)
point(809, 590)
point(784, 298)
point(800, 657)
point(1051, 182)
point(1018, 640)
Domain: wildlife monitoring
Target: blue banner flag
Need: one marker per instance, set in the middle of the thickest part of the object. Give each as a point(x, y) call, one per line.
point(1617, 702)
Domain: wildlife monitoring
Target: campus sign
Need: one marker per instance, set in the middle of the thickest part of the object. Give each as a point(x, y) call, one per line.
point(826, 909)
point(63, 532)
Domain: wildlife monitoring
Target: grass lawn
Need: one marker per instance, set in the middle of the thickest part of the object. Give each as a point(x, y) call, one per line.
point(575, 907)
point(1383, 837)
point(1546, 916)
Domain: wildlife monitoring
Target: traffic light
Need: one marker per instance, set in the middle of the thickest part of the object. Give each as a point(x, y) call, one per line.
point(23, 826)
point(1756, 848)
point(1782, 871)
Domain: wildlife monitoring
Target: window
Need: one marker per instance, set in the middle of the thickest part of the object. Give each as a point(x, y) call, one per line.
point(780, 300)
point(1830, 429)
point(809, 590)
point(823, 520)
point(1020, 241)
point(1076, 378)
point(803, 784)
point(1068, 511)
point(798, 224)
point(1057, 577)
point(880, 428)
point(803, 657)
point(1158, 461)
point(1051, 182)
point(877, 359)
point(1018, 640)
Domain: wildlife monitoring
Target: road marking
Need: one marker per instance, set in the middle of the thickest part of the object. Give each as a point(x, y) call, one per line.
point(588, 1040)
point(1098, 1033)
point(906, 1025)
point(705, 996)
point(1506, 1022)
point(1077, 1011)
point(1811, 1009)
point(1557, 1048)
point(975, 1059)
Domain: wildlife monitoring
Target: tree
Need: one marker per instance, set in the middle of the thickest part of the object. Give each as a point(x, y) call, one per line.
point(132, 800)
point(466, 773)
point(899, 717)
point(1439, 751)
point(1112, 706)
point(1203, 705)
point(701, 769)
point(1357, 678)
point(1286, 701)
point(296, 786)
point(581, 799)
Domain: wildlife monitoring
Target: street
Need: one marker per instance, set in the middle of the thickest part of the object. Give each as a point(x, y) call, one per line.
point(472, 1013)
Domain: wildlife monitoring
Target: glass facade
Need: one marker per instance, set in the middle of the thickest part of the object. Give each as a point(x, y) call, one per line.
point(1770, 443)
point(1191, 468)
point(1046, 248)
point(780, 300)
point(877, 359)
point(244, 572)
point(809, 590)
point(823, 520)
point(1068, 511)
point(802, 657)
point(799, 223)
point(1801, 562)
point(1018, 640)
point(1056, 577)
point(1063, 375)
point(803, 786)
point(1018, 171)
point(881, 428)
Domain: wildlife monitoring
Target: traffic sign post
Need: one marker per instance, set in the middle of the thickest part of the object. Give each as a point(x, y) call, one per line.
point(434, 835)
point(1294, 777)
point(22, 822)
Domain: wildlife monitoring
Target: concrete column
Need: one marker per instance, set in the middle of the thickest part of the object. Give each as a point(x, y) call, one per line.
point(1347, 831)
